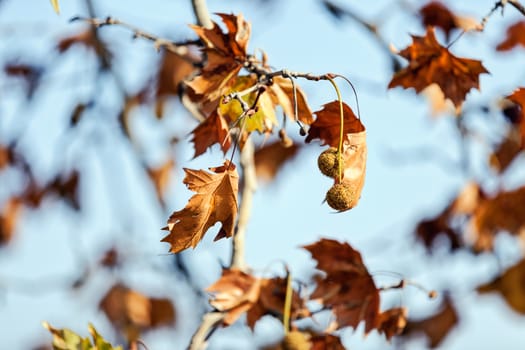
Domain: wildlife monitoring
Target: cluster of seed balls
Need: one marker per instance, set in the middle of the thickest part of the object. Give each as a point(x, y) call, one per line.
point(341, 196)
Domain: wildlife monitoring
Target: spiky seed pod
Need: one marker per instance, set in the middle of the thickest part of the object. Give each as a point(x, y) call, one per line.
point(296, 340)
point(341, 197)
point(328, 163)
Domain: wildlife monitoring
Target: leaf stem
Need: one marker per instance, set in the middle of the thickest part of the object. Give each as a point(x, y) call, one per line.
point(287, 303)
point(341, 130)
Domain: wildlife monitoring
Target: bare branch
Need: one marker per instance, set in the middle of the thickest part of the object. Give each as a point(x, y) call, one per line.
point(249, 188)
point(517, 5)
point(180, 49)
point(201, 13)
point(210, 321)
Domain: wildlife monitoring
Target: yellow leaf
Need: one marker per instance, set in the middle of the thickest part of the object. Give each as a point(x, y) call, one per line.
point(55, 5)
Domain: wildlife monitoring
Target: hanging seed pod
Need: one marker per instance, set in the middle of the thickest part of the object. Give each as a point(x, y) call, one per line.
point(341, 197)
point(328, 163)
point(296, 340)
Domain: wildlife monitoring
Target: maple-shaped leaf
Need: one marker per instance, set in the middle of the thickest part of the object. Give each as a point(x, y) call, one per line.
point(510, 284)
point(347, 287)
point(237, 292)
point(225, 55)
point(212, 130)
point(518, 97)
point(262, 120)
point(437, 326)
point(429, 63)
point(270, 158)
point(134, 312)
point(234, 293)
point(215, 201)
point(515, 37)
point(503, 212)
point(327, 125)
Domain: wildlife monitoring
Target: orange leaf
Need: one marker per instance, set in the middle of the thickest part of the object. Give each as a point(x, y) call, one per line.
point(8, 219)
point(212, 130)
point(270, 158)
point(237, 292)
point(515, 37)
point(226, 53)
point(234, 293)
point(437, 326)
point(347, 288)
point(326, 341)
point(429, 63)
point(510, 285)
point(282, 89)
point(392, 322)
point(271, 302)
point(160, 177)
point(436, 14)
point(504, 212)
point(518, 97)
point(506, 151)
point(327, 126)
point(215, 201)
point(133, 312)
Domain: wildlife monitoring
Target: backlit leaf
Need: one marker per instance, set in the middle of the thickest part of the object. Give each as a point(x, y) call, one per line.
point(327, 125)
point(429, 62)
point(515, 37)
point(215, 201)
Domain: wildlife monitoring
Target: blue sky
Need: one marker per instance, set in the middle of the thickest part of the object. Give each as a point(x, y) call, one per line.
point(289, 213)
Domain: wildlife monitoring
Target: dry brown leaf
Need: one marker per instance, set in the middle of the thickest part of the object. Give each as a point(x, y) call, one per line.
point(437, 326)
point(282, 90)
point(84, 38)
point(326, 342)
point(506, 151)
point(173, 70)
point(237, 292)
point(355, 153)
point(8, 219)
point(436, 14)
point(503, 212)
point(225, 52)
point(518, 97)
point(270, 158)
point(429, 63)
point(5, 157)
point(212, 130)
point(438, 103)
point(510, 284)
point(347, 288)
point(133, 312)
point(271, 302)
point(234, 293)
point(327, 126)
point(392, 322)
point(515, 37)
point(215, 201)
point(160, 177)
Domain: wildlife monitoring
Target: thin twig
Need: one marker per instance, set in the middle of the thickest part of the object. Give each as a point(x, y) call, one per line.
point(518, 6)
point(180, 49)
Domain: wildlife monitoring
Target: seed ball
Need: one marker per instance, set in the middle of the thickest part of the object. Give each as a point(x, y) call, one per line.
point(296, 340)
point(341, 197)
point(328, 162)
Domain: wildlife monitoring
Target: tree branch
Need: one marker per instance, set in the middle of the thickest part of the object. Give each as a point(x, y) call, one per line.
point(180, 49)
point(517, 5)
point(249, 188)
point(201, 13)
point(210, 321)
